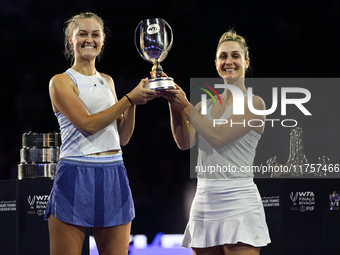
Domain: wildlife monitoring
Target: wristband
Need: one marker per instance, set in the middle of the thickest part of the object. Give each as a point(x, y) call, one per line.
point(129, 99)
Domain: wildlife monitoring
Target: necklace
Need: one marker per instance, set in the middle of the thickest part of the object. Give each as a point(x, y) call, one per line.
point(93, 79)
point(87, 77)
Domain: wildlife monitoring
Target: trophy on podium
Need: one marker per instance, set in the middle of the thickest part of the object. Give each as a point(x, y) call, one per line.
point(154, 47)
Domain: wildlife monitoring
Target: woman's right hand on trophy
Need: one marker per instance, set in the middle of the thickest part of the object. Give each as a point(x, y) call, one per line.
point(177, 98)
point(141, 95)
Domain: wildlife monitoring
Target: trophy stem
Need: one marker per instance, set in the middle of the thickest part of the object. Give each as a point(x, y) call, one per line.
point(157, 69)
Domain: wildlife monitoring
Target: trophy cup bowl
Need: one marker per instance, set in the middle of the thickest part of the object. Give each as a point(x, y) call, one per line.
point(154, 47)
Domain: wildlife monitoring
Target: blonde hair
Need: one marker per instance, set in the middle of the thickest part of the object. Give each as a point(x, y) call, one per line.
point(71, 24)
point(231, 35)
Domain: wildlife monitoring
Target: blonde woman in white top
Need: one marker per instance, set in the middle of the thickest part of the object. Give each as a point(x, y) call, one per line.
point(91, 187)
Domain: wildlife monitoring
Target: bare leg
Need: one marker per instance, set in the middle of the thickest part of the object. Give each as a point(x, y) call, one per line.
point(112, 240)
point(216, 250)
point(65, 239)
point(240, 249)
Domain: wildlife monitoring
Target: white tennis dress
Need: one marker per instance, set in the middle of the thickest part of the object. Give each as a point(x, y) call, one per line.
point(227, 207)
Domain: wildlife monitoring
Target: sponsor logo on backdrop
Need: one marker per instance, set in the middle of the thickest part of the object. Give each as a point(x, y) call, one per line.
point(273, 201)
point(303, 201)
point(334, 201)
point(8, 206)
point(37, 204)
point(31, 201)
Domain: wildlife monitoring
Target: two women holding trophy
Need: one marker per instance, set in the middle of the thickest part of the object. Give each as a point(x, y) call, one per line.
point(91, 187)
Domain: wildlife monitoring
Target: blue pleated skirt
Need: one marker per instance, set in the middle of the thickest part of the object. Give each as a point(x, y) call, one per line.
point(91, 192)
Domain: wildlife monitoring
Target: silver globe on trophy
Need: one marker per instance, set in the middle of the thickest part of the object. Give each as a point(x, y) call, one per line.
point(154, 47)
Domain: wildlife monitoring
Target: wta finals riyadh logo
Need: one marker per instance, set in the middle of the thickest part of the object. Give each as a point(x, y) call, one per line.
point(31, 201)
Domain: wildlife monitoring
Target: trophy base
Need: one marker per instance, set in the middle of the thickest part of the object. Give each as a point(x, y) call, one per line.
point(161, 83)
point(36, 170)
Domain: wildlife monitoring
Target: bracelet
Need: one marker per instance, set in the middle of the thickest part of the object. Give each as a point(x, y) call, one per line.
point(129, 99)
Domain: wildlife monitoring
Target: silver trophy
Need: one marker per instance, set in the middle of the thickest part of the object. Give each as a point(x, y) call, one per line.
point(154, 47)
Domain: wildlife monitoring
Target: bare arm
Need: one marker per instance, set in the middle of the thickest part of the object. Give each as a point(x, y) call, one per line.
point(183, 133)
point(126, 125)
point(64, 97)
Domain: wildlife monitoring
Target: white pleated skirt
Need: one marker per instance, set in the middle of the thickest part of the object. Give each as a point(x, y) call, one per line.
point(226, 212)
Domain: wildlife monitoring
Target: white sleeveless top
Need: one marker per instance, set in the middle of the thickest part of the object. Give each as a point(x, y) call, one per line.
point(95, 98)
point(233, 160)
